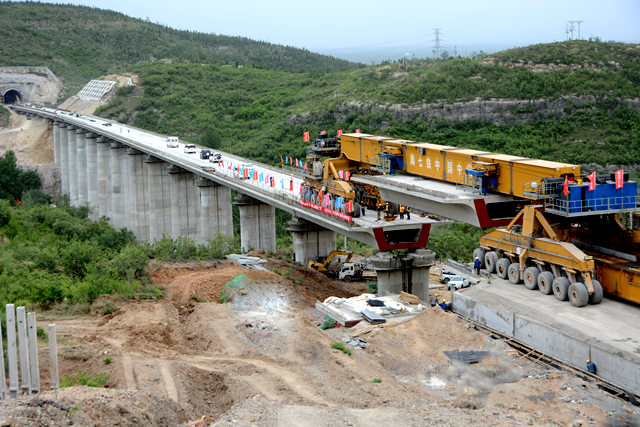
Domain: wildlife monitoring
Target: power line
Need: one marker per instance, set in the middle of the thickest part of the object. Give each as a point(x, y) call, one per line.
point(571, 27)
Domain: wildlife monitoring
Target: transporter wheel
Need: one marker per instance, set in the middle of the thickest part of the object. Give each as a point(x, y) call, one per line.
point(531, 278)
point(545, 282)
point(502, 268)
point(514, 273)
point(490, 261)
point(596, 298)
point(479, 253)
point(560, 288)
point(578, 294)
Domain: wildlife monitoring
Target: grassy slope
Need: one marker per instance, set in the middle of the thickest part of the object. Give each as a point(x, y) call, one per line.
point(80, 43)
point(250, 111)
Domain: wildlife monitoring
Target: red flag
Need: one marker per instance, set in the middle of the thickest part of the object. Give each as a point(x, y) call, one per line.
point(324, 132)
point(306, 137)
point(339, 132)
point(566, 185)
point(357, 130)
point(619, 178)
point(305, 166)
point(592, 181)
point(19, 202)
point(291, 161)
point(281, 159)
point(347, 175)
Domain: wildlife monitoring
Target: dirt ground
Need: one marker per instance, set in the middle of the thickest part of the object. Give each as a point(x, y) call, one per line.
point(261, 359)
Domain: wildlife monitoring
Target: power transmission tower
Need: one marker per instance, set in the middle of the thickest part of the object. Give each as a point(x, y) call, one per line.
point(578, 22)
point(436, 42)
point(571, 27)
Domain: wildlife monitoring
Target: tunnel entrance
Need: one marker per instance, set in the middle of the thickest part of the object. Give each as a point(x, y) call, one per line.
point(11, 96)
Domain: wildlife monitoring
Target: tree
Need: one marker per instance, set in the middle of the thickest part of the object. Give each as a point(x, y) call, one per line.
point(13, 180)
point(211, 137)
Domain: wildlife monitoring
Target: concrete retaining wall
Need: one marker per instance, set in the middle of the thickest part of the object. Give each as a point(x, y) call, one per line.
point(566, 344)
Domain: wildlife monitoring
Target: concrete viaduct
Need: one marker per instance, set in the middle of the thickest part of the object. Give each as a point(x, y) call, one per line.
point(134, 179)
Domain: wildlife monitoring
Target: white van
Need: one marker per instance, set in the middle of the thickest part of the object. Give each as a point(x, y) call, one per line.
point(173, 142)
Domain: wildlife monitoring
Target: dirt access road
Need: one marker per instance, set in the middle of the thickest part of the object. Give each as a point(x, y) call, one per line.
point(261, 359)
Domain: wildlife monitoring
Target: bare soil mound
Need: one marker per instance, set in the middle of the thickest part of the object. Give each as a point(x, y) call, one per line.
point(261, 359)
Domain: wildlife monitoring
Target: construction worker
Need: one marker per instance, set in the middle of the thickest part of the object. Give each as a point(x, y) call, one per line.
point(433, 300)
point(476, 265)
point(401, 211)
point(408, 210)
point(378, 209)
point(591, 367)
point(445, 305)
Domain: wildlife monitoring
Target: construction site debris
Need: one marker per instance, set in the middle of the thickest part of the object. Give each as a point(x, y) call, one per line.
point(373, 317)
point(467, 356)
point(246, 261)
point(410, 298)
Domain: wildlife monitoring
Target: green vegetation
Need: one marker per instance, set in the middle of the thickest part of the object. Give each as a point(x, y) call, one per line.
point(86, 378)
point(4, 116)
point(223, 296)
point(14, 181)
point(262, 114)
point(340, 346)
point(376, 381)
point(455, 241)
point(107, 361)
point(80, 43)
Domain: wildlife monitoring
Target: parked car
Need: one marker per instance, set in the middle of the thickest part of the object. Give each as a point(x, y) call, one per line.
point(173, 142)
point(190, 149)
point(445, 275)
point(205, 154)
point(215, 157)
point(457, 282)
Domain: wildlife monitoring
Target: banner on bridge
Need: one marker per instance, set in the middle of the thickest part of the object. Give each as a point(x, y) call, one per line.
point(328, 211)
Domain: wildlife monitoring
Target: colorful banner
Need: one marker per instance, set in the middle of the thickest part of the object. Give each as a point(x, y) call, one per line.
point(339, 132)
point(328, 211)
point(306, 137)
point(619, 179)
point(565, 190)
point(592, 181)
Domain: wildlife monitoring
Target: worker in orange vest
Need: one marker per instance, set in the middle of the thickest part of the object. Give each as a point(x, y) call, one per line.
point(401, 211)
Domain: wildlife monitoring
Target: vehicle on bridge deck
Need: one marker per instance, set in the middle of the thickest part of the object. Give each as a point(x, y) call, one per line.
point(190, 149)
point(173, 142)
point(215, 157)
point(205, 154)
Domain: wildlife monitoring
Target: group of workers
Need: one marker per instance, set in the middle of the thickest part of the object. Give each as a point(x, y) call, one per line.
point(388, 209)
point(434, 300)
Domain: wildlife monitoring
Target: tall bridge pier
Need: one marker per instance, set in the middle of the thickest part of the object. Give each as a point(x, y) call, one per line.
point(150, 196)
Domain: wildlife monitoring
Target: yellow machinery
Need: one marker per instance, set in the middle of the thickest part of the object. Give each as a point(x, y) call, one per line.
point(324, 265)
point(529, 247)
point(533, 253)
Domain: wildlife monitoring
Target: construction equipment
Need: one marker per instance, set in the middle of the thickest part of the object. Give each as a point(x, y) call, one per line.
point(332, 263)
point(351, 271)
point(568, 258)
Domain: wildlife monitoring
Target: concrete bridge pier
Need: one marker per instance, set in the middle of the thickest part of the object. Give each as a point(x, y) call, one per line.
point(184, 199)
point(92, 174)
point(81, 167)
point(72, 165)
point(63, 157)
point(56, 142)
point(103, 154)
point(137, 195)
point(216, 215)
point(158, 185)
point(409, 273)
point(310, 240)
point(257, 224)
point(117, 204)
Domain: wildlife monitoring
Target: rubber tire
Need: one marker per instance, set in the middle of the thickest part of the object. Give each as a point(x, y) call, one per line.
point(578, 294)
point(502, 268)
point(479, 252)
point(356, 210)
point(348, 278)
point(446, 280)
point(545, 282)
point(596, 298)
point(560, 288)
point(531, 278)
point(514, 273)
point(490, 261)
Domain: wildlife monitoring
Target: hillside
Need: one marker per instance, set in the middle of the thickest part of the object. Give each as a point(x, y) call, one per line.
point(80, 43)
point(555, 109)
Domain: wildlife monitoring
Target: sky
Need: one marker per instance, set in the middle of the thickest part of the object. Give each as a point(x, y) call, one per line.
point(368, 25)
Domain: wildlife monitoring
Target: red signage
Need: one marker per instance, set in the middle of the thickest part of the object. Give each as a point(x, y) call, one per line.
point(323, 209)
point(619, 178)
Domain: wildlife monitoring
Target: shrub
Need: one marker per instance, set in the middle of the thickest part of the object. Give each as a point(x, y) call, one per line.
point(77, 256)
point(35, 197)
point(107, 360)
point(5, 212)
point(340, 346)
point(86, 378)
point(223, 296)
point(130, 263)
